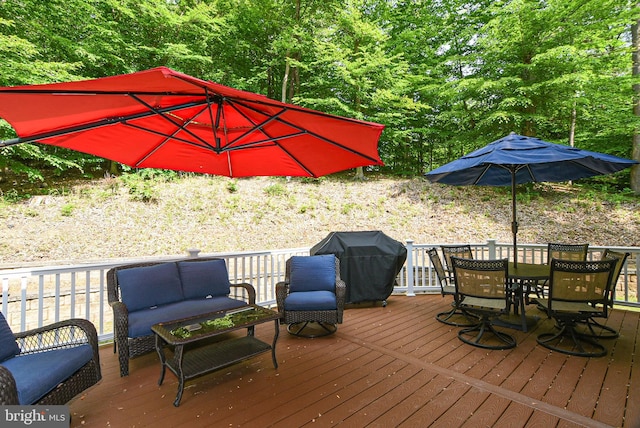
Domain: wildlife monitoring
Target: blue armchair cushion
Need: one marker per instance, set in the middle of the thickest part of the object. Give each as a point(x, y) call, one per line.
point(313, 273)
point(202, 279)
point(148, 286)
point(37, 374)
point(311, 301)
point(8, 346)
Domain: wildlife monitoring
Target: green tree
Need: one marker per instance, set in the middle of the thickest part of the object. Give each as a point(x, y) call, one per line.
point(356, 74)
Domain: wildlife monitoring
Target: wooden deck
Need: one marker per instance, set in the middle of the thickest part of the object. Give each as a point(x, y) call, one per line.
point(386, 366)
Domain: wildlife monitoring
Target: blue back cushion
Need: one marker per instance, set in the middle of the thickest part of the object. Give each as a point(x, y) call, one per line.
point(8, 346)
point(205, 278)
point(144, 287)
point(313, 273)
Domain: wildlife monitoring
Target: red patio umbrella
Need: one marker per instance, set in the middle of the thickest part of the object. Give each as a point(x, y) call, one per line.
point(160, 118)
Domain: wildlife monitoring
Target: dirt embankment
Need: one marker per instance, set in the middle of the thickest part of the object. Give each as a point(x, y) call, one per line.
point(107, 219)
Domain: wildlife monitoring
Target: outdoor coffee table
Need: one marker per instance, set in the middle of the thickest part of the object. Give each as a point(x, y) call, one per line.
point(195, 348)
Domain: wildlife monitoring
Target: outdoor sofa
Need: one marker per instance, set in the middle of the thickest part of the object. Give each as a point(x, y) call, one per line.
point(144, 294)
point(49, 365)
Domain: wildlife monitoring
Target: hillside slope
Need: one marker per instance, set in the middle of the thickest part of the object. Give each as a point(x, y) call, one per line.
point(106, 218)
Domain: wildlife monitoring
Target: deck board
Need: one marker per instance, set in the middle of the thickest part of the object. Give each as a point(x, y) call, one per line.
point(386, 366)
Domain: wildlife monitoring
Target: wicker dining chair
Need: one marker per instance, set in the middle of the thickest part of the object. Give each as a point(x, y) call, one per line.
point(578, 290)
point(463, 251)
point(456, 316)
point(566, 251)
point(483, 289)
point(560, 251)
point(595, 328)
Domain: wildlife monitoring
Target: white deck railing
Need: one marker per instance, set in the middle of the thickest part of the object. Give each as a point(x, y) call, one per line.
point(39, 295)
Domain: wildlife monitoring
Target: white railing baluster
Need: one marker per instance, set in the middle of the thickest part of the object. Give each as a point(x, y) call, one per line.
point(23, 302)
point(47, 294)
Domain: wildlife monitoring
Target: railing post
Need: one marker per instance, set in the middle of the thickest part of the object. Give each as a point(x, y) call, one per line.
point(410, 292)
point(491, 245)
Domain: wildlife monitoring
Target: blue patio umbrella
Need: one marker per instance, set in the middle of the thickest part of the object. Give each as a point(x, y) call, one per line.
point(516, 159)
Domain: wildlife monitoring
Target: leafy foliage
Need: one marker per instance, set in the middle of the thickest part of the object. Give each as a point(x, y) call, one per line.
point(444, 77)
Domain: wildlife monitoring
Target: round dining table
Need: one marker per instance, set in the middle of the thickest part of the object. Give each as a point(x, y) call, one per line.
point(521, 276)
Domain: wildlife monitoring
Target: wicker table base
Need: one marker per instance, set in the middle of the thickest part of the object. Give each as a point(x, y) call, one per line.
point(197, 352)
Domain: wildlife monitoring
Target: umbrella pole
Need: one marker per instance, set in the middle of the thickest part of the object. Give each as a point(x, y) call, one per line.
point(514, 222)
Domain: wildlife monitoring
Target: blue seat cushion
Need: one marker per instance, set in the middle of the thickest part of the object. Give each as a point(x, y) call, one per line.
point(140, 322)
point(311, 301)
point(205, 278)
point(144, 287)
point(37, 374)
point(8, 346)
point(313, 273)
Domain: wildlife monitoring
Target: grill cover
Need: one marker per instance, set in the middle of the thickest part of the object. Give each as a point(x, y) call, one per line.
point(369, 262)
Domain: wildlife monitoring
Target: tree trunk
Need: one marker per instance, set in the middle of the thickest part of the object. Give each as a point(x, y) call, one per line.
point(572, 130)
point(285, 79)
point(635, 153)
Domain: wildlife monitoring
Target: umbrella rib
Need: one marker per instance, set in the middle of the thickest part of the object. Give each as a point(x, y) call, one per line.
point(166, 117)
point(302, 131)
point(214, 124)
point(484, 171)
point(269, 139)
point(256, 126)
point(168, 136)
point(96, 124)
point(158, 146)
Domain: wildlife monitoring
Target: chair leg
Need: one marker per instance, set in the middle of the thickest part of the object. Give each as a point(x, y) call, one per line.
point(445, 317)
point(574, 342)
point(477, 336)
point(311, 329)
point(605, 332)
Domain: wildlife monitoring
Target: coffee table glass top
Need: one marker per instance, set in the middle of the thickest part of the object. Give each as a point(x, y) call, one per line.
point(214, 323)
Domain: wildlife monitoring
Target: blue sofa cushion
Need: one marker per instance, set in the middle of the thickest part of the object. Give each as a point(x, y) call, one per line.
point(37, 374)
point(205, 278)
point(313, 273)
point(311, 301)
point(8, 346)
point(148, 286)
point(140, 322)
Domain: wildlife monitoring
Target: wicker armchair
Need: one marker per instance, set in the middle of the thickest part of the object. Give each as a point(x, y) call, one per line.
point(61, 335)
point(578, 290)
point(130, 347)
point(309, 310)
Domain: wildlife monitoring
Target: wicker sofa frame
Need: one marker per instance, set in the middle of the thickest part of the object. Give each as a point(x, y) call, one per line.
point(128, 347)
point(63, 334)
